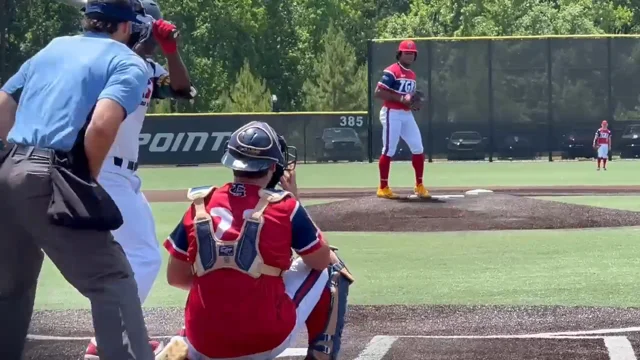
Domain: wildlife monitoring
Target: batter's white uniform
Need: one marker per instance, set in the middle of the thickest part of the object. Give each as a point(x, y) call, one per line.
point(119, 177)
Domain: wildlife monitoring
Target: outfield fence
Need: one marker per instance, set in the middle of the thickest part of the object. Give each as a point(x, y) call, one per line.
point(192, 139)
point(541, 91)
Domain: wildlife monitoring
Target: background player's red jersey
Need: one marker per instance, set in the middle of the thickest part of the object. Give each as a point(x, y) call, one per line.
point(603, 136)
point(400, 80)
point(228, 313)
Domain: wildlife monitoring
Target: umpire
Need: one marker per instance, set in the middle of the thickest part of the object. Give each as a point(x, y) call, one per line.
point(59, 115)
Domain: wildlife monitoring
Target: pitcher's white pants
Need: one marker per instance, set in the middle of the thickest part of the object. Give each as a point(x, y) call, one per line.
point(137, 235)
point(298, 276)
point(398, 124)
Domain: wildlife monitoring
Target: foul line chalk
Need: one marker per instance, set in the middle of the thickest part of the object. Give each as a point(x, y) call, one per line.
point(594, 332)
point(377, 348)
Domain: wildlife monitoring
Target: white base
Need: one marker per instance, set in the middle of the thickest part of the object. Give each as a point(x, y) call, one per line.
point(415, 197)
point(478, 192)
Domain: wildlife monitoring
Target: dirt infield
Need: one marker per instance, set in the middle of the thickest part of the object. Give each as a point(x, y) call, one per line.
point(426, 332)
point(487, 212)
point(430, 332)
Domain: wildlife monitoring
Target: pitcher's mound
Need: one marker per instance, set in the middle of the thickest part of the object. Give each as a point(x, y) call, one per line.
point(487, 212)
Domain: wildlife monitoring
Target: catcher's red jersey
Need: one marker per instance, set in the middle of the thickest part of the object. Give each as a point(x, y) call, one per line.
point(230, 314)
point(400, 80)
point(603, 136)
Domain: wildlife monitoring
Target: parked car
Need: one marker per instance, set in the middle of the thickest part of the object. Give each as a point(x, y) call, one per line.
point(339, 143)
point(515, 147)
point(629, 142)
point(465, 145)
point(578, 143)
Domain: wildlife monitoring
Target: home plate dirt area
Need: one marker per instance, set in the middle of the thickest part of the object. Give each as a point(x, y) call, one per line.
point(426, 332)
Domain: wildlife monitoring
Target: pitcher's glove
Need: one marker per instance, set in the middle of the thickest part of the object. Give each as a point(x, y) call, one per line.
point(416, 100)
point(596, 146)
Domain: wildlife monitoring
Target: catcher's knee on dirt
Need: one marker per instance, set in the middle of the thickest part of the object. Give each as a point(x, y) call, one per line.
point(326, 345)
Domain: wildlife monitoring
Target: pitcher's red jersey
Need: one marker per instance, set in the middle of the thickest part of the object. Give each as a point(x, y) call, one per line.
point(230, 314)
point(400, 80)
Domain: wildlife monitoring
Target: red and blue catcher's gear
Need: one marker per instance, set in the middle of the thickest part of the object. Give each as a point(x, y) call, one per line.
point(400, 80)
point(237, 304)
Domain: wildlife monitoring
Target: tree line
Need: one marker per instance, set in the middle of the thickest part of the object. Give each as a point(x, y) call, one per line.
point(312, 54)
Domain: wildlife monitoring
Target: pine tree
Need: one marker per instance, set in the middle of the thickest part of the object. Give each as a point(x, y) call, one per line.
point(248, 94)
point(336, 83)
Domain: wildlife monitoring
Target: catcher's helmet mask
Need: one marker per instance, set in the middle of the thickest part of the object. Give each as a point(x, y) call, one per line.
point(255, 147)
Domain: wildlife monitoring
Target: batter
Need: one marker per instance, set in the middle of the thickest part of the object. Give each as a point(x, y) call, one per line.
point(119, 177)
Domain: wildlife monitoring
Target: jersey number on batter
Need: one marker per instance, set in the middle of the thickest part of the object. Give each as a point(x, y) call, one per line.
point(407, 86)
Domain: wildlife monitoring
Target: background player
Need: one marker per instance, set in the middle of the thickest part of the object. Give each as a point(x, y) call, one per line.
point(247, 297)
point(397, 89)
point(602, 142)
point(118, 176)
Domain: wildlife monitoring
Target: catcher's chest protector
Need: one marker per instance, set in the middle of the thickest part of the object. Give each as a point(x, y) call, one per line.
point(241, 254)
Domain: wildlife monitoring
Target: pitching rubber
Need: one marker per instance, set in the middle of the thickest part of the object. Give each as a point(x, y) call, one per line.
point(176, 349)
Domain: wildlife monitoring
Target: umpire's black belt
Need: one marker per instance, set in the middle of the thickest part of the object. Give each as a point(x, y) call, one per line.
point(120, 162)
point(31, 151)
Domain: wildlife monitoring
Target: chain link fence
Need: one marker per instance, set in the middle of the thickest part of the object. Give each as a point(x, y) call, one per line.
point(519, 97)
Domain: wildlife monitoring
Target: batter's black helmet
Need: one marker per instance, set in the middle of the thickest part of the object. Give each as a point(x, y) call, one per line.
point(255, 147)
point(152, 9)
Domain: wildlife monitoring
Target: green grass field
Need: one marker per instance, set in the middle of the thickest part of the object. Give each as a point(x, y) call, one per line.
point(539, 267)
point(436, 174)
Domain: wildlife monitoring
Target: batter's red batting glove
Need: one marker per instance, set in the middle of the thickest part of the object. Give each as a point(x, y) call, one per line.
point(163, 33)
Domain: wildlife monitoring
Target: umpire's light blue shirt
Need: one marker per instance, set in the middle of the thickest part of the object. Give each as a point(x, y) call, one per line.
point(58, 87)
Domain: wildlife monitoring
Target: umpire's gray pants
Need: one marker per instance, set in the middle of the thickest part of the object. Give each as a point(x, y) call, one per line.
point(91, 261)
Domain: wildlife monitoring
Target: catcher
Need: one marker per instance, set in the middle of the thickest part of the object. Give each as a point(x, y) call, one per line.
point(397, 89)
point(248, 298)
point(602, 143)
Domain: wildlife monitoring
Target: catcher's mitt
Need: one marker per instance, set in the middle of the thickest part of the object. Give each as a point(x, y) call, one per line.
point(416, 100)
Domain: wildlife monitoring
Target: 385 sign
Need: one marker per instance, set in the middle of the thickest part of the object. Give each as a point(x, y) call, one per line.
point(352, 121)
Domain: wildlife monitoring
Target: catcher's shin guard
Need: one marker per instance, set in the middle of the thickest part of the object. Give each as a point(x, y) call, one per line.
point(326, 346)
